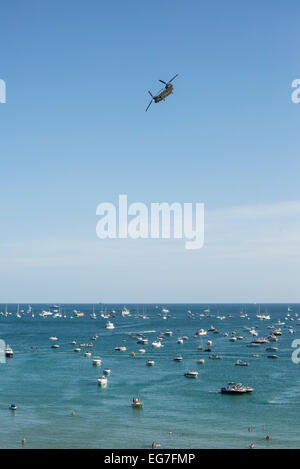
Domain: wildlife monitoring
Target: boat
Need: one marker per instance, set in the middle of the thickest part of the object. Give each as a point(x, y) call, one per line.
point(102, 381)
point(215, 357)
point(157, 344)
point(107, 371)
point(168, 333)
point(178, 358)
point(236, 388)
point(13, 407)
point(136, 403)
point(125, 312)
point(241, 363)
point(150, 362)
point(96, 361)
point(202, 332)
point(191, 374)
point(271, 349)
point(55, 346)
point(201, 361)
point(180, 341)
point(272, 356)
point(109, 325)
point(120, 348)
point(53, 338)
point(8, 351)
point(87, 354)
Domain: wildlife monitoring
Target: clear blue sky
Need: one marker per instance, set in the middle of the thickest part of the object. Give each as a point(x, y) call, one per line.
point(74, 133)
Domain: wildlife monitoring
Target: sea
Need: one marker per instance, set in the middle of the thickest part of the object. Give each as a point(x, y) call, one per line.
point(61, 405)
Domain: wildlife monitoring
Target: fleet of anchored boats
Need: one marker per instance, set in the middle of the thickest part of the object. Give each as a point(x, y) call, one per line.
point(288, 322)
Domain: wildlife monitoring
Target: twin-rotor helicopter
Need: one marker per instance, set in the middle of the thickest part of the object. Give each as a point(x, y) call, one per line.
point(166, 91)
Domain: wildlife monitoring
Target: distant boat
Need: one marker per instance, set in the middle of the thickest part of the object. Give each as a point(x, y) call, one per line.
point(109, 325)
point(233, 388)
point(9, 353)
point(136, 403)
point(191, 374)
point(102, 381)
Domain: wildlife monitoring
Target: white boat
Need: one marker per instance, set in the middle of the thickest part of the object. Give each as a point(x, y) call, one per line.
point(201, 361)
point(109, 325)
point(136, 403)
point(77, 349)
point(8, 351)
point(102, 381)
point(125, 312)
point(179, 340)
point(87, 354)
point(150, 362)
point(96, 361)
point(53, 338)
point(202, 332)
point(55, 346)
point(106, 371)
point(142, 350)
point(191, 374)
point(178, 358)
point(157, 344)
point(120, 348)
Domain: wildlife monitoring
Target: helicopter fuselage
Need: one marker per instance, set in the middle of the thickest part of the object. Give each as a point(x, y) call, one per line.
point(166, 92)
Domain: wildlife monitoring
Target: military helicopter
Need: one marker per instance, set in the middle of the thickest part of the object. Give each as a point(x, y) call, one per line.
point(168, 89)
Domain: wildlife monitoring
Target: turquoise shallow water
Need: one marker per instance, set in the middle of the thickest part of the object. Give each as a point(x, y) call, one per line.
point(48, 385)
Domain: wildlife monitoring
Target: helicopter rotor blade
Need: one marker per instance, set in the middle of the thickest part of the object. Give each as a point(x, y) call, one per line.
point(163, 82)
point(151, 94)
point(173, 78)
point(149, 105)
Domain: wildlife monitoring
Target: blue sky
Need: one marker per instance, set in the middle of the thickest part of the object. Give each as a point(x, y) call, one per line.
point(74, 133)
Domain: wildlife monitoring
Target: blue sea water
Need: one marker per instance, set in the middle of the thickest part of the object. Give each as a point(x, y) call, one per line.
point(48, 384)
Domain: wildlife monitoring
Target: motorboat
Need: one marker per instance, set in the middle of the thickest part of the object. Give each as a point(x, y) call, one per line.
point(150, 362)
point(102, 381)
point(178, 358)
point(241, 363)
point(191, 374)
point(136, 403)
point(142, 350)
point(109, 325)
point(236, 388)
point(272, 356)
point(53, 338)
point(201, 361)
point(8, 351)
point(157, 344)
point(120, 348)
point(107, 371)
point(202, 332)
point(87, 353)
point(13, 407)
point(55, 346)
point(96, 361)
point(215, 357)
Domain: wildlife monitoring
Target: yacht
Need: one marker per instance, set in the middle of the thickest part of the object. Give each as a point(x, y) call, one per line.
point(109, 325)
point(96, 361)
point(241, 363)
point(178, 358)
point(150, 362)
point(136, 403)
point(8, 352)
point(102, 381)
point(191, 374)
point(233, 388)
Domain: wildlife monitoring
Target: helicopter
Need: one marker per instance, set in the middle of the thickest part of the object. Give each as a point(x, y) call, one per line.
point(168, 89)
